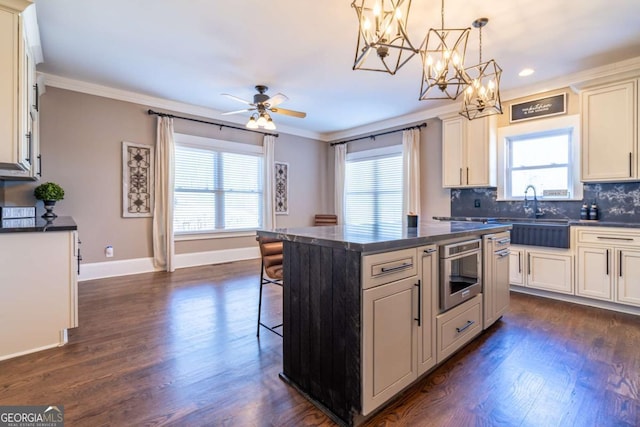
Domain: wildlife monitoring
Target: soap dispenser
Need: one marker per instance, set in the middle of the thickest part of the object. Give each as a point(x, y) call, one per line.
point(584, 211)
point(593, 211)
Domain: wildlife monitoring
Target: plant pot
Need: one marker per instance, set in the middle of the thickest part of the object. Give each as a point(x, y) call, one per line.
point(48, 205)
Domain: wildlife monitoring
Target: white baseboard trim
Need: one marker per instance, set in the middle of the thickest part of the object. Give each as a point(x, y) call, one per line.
point(125, 267)
point(622, 308)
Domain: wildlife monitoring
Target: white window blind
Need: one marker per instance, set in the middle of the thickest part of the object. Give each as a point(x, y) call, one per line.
point(373, 187)
point(216, 190)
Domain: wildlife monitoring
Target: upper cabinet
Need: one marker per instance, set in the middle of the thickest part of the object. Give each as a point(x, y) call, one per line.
point(19, 145)
point(468, 152)
point(609, 132)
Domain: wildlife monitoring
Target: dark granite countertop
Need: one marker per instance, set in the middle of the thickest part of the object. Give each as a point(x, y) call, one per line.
point(22, 225)
point(376, 238)
point(573, 222)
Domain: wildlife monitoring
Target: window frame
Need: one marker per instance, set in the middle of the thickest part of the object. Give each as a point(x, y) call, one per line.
point(540, 128)
point(218, 145)
point(381, 152)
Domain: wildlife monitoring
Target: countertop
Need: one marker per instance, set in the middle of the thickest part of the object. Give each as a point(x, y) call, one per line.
point(572, 222)
point(37, 224)
point(375, 238)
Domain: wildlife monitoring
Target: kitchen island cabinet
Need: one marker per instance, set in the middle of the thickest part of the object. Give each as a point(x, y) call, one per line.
point(335, 287)
point(38, 285)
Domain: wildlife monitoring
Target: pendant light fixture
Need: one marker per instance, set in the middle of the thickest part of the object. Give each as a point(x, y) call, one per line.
point(383, 44)
point(261, 119)
point(443, 51)
point(482, 96)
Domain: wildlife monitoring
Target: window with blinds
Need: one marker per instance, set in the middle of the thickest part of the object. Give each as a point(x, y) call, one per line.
point(216, 190)
point(373, 186)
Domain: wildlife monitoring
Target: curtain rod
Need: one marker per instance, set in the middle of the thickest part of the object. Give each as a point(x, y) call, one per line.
point(422, 125)
point(151, 112)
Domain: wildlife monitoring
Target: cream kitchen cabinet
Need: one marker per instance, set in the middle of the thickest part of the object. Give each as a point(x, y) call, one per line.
point(38, 284)
point(399, 341)
point(609, 148)
point(608, 264)
point(547, 269)
point(19, 142)
point(468, 152)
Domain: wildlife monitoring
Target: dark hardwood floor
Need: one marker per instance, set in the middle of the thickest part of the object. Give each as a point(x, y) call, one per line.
point(180, 349)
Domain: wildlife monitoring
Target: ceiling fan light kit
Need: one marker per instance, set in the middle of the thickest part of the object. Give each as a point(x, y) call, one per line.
point(382, 28)
point(383, 44)
point(263, 104)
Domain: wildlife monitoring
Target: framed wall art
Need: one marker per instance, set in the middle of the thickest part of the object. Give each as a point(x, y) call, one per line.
point(137, 180)
point(282, 188)
point(543, 107)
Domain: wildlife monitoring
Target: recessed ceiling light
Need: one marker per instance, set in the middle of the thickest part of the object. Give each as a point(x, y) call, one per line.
point(526, 72)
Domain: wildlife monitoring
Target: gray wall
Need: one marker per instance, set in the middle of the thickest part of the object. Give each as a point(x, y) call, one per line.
point(81, 144)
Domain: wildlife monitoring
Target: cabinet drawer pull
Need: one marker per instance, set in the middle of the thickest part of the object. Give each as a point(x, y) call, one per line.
point(396, 268)
point(466, 326)
point(626, 239)
point(504, 253)
point(504, 241)
point(429, 251)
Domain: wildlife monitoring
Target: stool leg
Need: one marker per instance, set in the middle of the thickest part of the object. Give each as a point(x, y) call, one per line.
point(260, 299)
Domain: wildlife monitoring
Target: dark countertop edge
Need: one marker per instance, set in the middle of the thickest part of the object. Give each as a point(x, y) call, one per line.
point(62, 223)
point(387, 245)
point(571, 222)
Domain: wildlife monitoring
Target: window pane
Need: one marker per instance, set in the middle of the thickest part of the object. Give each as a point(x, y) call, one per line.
point(216, 190)
point(540, 151)
point(374, 190)
point(542, 179)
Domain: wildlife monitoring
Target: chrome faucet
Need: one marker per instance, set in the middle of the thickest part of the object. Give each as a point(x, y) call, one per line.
point(536, 211)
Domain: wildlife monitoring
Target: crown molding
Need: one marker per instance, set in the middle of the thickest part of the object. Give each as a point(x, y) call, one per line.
point(59, 82)
point(15, 5)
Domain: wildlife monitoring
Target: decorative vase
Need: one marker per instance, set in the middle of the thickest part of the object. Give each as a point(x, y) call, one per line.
point(48, 205)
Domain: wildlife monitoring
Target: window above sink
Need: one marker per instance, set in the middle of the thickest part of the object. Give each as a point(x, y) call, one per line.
point(542, 153)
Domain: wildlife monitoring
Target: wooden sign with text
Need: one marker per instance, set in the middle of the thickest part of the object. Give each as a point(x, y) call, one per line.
point(538, 108)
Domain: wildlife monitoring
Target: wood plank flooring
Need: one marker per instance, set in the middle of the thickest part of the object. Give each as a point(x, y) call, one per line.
point(180, 349)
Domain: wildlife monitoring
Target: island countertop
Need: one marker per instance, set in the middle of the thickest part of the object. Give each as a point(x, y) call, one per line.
point(374, 238)
point(37, 224)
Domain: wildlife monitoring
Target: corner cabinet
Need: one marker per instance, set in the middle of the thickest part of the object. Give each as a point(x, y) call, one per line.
point(609, 132)
point(468, 152)
point(19, 143)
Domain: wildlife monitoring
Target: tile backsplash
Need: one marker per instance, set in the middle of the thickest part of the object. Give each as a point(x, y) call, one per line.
point(617, 202)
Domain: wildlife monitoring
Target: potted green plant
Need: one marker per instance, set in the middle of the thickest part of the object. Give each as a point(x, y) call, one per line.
point(49, 193)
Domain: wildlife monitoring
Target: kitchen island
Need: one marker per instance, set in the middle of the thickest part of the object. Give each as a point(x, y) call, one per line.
point(361, 314)
point(38, 283)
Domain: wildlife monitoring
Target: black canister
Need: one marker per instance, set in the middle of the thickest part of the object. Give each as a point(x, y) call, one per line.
point(584, 211)
point(593, 212)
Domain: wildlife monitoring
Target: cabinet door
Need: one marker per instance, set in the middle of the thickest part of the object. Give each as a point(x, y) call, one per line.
point(628, 277)
point(428, 310)
point(609, 133)
point(595, 272)
point(501, 273)
point(549, 271)
point(516, 267)
point(480, 155)
point(389, 341)
point(453, 136)
point(9, 80)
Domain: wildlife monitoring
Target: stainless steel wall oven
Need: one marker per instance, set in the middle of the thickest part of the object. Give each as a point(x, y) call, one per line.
point(460, 272)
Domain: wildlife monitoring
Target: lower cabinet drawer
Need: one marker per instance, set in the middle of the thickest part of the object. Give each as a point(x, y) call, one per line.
point(458, 326)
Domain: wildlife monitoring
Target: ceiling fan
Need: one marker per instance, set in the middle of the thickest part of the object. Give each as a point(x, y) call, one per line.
point(263, 104)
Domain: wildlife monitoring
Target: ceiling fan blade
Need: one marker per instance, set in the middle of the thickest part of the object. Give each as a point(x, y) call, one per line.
point(237, 99)
point(286, 112)
point(276, 99)
point(237, 111)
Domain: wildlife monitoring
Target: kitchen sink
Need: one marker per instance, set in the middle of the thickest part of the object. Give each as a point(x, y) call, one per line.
point(549, 233)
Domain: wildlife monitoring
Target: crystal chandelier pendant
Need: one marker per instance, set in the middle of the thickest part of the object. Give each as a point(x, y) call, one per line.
point(443, 73)
point(383, 44)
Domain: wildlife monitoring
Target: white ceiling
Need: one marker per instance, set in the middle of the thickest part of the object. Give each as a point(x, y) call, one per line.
point(192, 51)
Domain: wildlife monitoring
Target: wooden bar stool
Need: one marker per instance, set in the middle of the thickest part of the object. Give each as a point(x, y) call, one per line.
point(270, 273)
point(325, 219)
